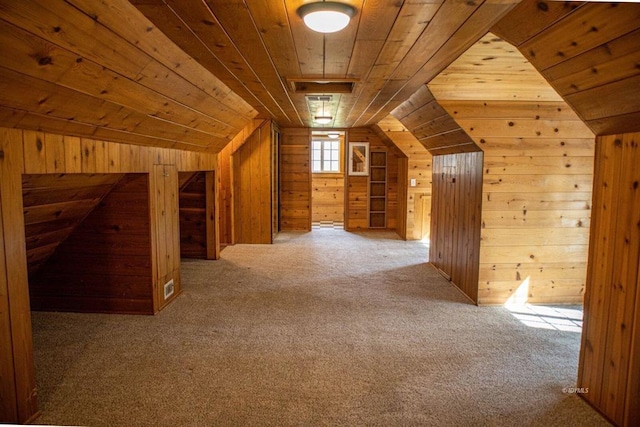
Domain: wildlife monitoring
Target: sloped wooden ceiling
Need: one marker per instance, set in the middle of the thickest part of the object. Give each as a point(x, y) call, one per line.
point(434, 128)
point(390, 49)
point(101, 69)
point(491, 70)
point(588, 52)
point(54, 205)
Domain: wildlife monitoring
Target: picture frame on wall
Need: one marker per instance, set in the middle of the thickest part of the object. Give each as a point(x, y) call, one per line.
point(358, 158)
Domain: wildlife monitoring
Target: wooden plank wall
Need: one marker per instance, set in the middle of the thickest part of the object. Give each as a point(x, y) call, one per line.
point(251, 170)
point(589, 52)
point(418, 168)
point(165, 232)
point(327, 197)
point(295, 179)
point(536, 198)
point(19, 401)
point(105, 264)
point(34, 152)
point(357, 187)
point(50, 153)
point(455, 219)
point(225, 181)
point(610, 357)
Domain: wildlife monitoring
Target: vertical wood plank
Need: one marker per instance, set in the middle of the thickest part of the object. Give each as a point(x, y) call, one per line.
point(609, 362)
point(455, 223)
point(212, 215)
point(600, 266)
point(160, 231)
point(54, 153)
point(253, 227)
point(621, 303)
point(113, 154)
point(102, 156)
point(8, 398)
point(172, 229)
point(73, 154)
point(632, 410)
point(125, 158)
point(233, 238)
point(15, 259)
point(34, 152)
point(154, 215)
point(88, 147)
point(264, 181)
point(223, 177)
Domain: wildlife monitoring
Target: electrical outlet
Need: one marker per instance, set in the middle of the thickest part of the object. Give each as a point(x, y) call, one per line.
point(413, 182)
point(168, 289)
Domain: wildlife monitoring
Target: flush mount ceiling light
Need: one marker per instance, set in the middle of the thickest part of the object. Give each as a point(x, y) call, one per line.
point(327, 16)
point(333, 135)
point(323, 120)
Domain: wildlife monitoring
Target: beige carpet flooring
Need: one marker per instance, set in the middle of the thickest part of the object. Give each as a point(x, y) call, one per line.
point(322, 328)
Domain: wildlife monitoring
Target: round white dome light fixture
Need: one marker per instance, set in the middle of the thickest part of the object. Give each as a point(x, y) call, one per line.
point(327, 16)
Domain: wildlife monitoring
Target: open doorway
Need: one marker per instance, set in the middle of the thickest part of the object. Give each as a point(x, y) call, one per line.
point(327, 179)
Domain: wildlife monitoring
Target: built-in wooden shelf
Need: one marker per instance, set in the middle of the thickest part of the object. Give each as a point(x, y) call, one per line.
point(378, 190)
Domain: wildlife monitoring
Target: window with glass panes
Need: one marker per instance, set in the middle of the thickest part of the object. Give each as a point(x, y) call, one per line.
point(326, 155)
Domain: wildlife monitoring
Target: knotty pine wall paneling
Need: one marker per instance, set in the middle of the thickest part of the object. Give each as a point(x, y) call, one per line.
point(226, 178)
point(455, 219)
point(328, 197)
point(18, 383)
point(165, 233)
point(225, 198)
point(36, 152)
point(252, 196)
point(609, 359)
point(295, 179)
point(538, 165)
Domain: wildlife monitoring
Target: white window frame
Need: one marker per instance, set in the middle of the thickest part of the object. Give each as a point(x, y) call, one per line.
point(323, 151)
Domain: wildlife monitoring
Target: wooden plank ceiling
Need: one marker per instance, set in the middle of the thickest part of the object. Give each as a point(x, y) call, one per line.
point(101, 69)
point(432, 125)
point(390, 49)
point(588, 52)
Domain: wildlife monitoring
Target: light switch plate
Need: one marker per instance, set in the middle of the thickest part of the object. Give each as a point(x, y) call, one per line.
point(413, 182)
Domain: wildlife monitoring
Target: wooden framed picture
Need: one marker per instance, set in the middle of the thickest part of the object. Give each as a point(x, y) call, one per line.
point(359, 158)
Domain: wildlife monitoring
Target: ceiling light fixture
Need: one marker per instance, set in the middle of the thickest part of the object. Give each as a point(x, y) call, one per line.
point(326, 16)
point(333, 135)
point(323, 120)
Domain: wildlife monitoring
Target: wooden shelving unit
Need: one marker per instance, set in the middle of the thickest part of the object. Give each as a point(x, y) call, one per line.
point(378, 190)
